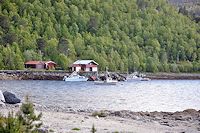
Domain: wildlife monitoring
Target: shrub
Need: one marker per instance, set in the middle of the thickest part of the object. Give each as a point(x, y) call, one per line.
point(100, 114)
point(93, 130)
point(27, 116)
point(10, 124)
point(24, 121)
point(76, 129)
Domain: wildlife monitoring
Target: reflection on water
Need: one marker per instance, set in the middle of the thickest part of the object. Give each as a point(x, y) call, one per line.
point(155, 95)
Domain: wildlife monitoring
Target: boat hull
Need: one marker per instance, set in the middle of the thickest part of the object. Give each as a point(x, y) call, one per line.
point(75, 79)
point(105, 83)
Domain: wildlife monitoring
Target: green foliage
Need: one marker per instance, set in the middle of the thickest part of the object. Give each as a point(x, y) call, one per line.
point(99, 114)
point(76, 129)
point(93, 130)
point(1, 62)
point(25, 121)
point(10, 124)
point(134, 35)
point(27, 117)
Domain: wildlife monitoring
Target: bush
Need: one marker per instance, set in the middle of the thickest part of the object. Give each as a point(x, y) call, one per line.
point(76, 129)
point(99, 114)
point(10, 124)
point(93, 130)
point(24, 121)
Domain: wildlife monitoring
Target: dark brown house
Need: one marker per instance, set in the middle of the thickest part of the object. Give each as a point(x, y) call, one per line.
point(40, 65)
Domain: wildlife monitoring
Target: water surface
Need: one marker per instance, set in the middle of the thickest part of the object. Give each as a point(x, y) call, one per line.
point(155, 95)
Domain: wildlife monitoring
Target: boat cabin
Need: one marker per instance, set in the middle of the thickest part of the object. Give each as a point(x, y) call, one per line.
point(84, 66)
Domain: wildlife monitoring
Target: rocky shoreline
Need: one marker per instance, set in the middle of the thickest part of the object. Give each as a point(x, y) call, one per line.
point(32, 75)
point(58, 75)
point(174, 76)
point(180, 121)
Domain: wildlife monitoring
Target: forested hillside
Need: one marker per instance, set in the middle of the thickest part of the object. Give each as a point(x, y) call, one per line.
point(190, 8)
point(134, 35)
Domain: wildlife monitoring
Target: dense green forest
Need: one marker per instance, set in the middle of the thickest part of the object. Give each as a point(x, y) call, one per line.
point(134, 35)
point(190, 8)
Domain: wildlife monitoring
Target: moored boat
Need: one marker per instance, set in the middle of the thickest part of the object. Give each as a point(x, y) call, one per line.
point(106, 82)
point(137, 77)
point(75, 77)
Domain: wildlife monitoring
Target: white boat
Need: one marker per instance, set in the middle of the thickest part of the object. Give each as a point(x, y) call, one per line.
point(136, 77)
point(75, 77)
point(106, 82)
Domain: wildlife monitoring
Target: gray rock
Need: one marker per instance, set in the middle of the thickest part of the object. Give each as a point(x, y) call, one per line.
point(72, 110)
point(42, 130)
point(2, 99)
point(2, 104)
point(86, 117)
point(10, 98)
point(178, 118)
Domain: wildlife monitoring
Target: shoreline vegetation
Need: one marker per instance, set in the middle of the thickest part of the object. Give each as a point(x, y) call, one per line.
point(58, 75)
point(65, 120)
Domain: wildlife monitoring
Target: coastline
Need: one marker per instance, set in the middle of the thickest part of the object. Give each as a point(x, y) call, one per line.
point(115, 121)
point(173, 76)
point(58, 75)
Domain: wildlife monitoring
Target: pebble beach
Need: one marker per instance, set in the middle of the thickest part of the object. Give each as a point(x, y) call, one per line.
point(66, 121)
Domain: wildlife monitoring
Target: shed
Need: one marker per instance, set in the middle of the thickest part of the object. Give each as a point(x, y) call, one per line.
point(40, 64)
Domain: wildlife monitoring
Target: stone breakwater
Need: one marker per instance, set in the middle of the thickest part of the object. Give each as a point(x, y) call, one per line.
point(32, 75)
point(58, 75)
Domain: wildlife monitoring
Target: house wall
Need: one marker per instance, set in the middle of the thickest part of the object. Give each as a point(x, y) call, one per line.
point(94, 69)
point(50, 66)
point(87, 69)
point(39, 66)
point(76, 69)
point(30, 66)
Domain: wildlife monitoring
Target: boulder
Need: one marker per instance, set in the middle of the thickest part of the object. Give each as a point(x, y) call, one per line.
point(2, 104)
point(2, 99)
point(10, 98)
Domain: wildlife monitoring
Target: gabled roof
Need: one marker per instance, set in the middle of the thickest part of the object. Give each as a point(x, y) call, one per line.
point(46, 62)
point(84, 62)
point(34, 62)
point(38, 62)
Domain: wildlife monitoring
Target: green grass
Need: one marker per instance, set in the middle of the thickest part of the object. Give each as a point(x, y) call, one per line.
point(51, 130)
point(76, 129)
point(100, 114)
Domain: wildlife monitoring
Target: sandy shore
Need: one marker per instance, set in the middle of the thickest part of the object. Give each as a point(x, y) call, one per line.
point(187, 121)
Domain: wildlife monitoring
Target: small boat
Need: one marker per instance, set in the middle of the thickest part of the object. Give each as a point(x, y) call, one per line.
point(108, 81)
point(145, 79)
point(75, 77)
point(136, 77)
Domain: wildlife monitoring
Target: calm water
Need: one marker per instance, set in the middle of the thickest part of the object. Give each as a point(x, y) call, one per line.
point(155, 95)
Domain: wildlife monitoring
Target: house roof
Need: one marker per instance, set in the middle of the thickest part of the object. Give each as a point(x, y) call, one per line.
point(38, 62)
point(84, 62)
point(46, 62)
point(34, 62)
